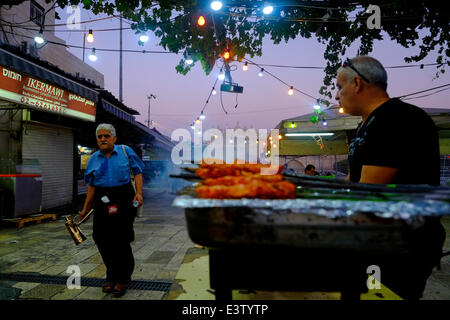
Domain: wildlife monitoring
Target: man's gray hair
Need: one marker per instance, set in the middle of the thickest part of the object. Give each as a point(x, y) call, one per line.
point(105, 126)
point(370, 68)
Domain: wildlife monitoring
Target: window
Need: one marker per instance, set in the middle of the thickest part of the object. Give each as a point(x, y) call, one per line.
point(37, 13)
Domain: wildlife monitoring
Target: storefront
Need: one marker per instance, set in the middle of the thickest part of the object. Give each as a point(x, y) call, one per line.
point(43, 110)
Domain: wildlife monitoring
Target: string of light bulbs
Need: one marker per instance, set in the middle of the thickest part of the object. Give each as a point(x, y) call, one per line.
point(322, 68)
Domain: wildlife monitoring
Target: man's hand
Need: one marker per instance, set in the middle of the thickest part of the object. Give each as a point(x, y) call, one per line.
point(139, 198)
point(82, 214)
point(88, 202)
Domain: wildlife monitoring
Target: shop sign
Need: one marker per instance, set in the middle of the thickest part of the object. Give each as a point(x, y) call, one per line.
point(28, 91)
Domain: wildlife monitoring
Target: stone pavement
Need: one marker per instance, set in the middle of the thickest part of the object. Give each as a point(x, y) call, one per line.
point(160, 254)
point(47, 249)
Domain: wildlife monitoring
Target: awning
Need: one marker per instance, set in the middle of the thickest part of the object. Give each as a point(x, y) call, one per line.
point(119, 113)
point(162, 141)
point(13, 61)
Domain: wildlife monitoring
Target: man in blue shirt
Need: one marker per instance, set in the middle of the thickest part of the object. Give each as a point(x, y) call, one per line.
point(111, 193)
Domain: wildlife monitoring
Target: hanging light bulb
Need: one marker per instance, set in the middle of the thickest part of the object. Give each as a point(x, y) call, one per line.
point(324, 122)
point(197, 121)
point(341, 110)
point(261, 72)
point(92, 55)
point(143, 37)
point(201, 21)
point(202, 116)
point(280, 137)
point(216, 5)
point(291, 91)
point(317, 106)
point(189, 59)
point(39, 39)
point(214, 91)
point(268, 9)
point(192, 126)
point(226, 55)
point(221, 76)
point(245, 67)
point(90, 36)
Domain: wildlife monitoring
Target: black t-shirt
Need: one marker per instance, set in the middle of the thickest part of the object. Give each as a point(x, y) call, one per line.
point(397, 135)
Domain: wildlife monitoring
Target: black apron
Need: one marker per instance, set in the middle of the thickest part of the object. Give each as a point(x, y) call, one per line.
point(113, 220)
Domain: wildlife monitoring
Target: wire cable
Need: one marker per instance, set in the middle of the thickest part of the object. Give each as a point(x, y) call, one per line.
point(96, 49)
point(286, 84)
point(422, 91)
point(322, 68)
point(427, 95)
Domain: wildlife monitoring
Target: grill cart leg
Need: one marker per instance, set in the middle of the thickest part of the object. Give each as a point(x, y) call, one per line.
point(350, 294)
point(224, 294)
point(218, 275)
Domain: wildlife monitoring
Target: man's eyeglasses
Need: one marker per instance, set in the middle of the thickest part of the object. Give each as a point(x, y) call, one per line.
point(349, 64)
point(107, 136)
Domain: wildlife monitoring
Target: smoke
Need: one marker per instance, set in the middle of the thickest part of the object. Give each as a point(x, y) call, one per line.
point(156, 175)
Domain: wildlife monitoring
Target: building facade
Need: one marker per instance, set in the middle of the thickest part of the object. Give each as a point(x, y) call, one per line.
point(19, 25)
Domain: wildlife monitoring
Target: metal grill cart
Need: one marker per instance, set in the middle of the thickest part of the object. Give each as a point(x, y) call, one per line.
point(324, 240)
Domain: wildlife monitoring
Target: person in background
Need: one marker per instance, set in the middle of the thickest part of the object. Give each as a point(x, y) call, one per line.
point(393, 140)
point(310, 170)
point(111, 193)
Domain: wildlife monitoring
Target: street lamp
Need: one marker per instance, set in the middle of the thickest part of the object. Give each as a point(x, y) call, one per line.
point(151, 96)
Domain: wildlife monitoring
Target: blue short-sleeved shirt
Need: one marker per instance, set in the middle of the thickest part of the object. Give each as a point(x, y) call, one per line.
point(113, 171)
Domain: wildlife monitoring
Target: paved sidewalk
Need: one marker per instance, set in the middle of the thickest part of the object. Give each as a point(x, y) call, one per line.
point(47, 249)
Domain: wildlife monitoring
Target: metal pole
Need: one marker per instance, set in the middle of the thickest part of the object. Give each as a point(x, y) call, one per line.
point(148, 115)
point(84, 41)
point(120, 64)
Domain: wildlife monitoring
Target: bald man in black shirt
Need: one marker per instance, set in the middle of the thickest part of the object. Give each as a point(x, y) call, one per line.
point(393, 144)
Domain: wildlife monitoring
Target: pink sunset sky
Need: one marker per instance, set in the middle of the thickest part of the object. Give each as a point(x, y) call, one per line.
point(265, 101)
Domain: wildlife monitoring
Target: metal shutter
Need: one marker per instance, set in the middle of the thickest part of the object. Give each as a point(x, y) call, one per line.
point(53, 147)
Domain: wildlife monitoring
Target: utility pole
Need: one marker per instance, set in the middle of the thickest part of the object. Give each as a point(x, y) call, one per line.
point(151, 96)
point(84, 41)
point(120, 64)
